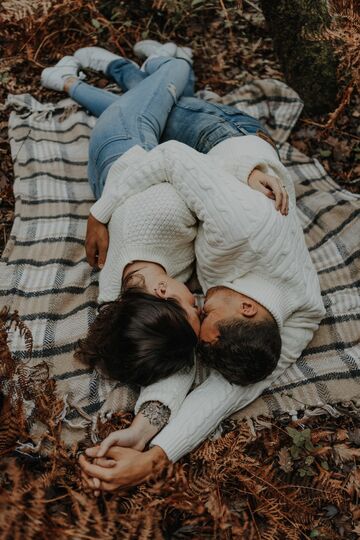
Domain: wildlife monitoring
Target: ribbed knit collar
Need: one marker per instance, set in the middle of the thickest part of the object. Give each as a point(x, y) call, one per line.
point(274, 295)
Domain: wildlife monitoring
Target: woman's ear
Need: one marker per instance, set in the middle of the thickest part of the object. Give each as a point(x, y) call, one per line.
point(161, 289)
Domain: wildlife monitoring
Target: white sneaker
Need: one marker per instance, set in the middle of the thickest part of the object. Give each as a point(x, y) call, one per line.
point(150, 47)
point(185, 53)
point(95, 58)
point(54, 77)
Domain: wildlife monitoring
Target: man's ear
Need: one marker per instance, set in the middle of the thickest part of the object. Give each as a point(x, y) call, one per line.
point(248, 308)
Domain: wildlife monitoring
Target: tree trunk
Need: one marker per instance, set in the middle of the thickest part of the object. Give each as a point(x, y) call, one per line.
point(309, 66)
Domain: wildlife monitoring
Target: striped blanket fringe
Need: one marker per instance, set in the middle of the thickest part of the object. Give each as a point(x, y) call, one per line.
point(44, 274)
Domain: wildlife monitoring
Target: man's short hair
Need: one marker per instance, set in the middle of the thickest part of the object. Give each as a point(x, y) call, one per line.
point(245, 352)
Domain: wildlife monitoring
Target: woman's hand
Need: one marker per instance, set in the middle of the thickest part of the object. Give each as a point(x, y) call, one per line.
point(141, 431)
point(126, 438)
point(122, 468)
point(272, 188)
point(96, 242)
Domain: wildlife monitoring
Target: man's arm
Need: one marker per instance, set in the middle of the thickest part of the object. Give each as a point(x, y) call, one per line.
point(210, 192)
point(216, 398)
point(253, 153)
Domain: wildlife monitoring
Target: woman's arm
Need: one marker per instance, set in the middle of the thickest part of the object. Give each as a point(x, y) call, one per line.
point(196, 177)
point(157, 403)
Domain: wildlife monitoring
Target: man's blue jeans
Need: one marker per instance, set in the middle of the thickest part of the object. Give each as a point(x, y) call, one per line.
point(151, 111)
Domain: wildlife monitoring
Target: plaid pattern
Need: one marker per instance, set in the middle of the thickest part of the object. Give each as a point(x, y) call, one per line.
point(44, 274)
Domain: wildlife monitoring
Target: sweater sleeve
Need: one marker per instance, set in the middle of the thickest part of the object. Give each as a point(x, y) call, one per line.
point(252, 152)
point(214, 195)
point(170, 391)
point(103, 208)
point(216, 399)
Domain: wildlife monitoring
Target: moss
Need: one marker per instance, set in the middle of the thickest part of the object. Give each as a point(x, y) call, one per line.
point(309, 66)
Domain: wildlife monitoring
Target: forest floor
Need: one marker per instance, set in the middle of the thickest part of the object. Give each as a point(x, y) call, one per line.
point(231, 46)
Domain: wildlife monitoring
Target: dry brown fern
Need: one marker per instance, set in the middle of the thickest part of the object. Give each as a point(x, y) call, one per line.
point(344, 34)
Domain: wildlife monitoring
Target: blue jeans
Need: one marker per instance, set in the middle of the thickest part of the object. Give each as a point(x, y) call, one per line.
point(150, 112)
point(138, 117)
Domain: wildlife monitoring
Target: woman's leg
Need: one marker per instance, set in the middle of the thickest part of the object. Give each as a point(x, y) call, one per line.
point(126, 74)
point(138, 117)
point(91, 98)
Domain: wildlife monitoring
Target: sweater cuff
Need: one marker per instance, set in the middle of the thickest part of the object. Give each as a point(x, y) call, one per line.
point(245, 167)
point(174, 449)
point(170, 391)
point(103, 208)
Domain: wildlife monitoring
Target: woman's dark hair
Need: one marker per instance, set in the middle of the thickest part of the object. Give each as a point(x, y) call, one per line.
point(139, 338)
point(245, 352)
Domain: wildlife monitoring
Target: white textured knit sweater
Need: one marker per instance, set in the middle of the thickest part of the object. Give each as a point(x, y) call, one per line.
point(242, 243)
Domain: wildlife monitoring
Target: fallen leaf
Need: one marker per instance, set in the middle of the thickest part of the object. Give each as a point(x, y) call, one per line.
point(285, 461)
point(355, 512)
point(343, 453)
point(353, 483)
point(354, 436)
point(302, 146)
point(330, 511)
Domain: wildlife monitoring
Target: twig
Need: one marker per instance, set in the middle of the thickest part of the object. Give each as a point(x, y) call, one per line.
point(253, 6)
point(228, 21)
point(335, 114)
point(344, 101)
point(323, 126)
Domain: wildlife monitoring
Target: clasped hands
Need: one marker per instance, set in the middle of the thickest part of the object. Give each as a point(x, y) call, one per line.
point(119, 462)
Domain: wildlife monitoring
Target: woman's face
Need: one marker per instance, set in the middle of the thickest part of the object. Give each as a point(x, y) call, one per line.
point(164, 286)
point(179, 291)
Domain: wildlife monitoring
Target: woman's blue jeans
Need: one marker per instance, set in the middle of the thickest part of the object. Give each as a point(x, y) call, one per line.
point(151, 111)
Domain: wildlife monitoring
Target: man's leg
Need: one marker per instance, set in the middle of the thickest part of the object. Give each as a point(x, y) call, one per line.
point(202, 125)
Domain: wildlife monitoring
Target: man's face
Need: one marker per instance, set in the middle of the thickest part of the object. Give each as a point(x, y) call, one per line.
point(223, 304)
point(220, 303)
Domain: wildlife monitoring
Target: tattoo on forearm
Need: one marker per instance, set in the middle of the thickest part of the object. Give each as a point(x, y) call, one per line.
point(157, 413)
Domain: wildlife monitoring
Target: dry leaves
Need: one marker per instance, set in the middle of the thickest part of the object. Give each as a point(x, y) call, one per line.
point(273, 485)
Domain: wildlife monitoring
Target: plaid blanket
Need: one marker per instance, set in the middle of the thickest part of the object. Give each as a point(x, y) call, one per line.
point(44, 274)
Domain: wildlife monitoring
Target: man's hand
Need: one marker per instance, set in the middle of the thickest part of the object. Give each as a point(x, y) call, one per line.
point(122, 468)
point(272, 188)
point(97, 242)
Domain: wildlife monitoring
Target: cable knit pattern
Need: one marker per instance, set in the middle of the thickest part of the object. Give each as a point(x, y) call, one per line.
point(242, 243)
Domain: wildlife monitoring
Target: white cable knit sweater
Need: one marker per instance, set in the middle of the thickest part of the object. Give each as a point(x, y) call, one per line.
point(242, 243)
